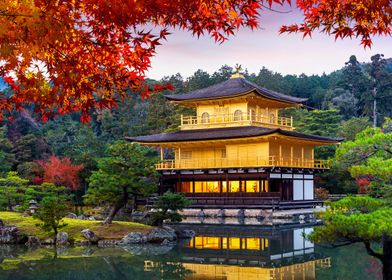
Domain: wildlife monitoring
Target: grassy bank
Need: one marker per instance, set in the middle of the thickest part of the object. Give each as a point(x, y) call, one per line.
point(116, 230)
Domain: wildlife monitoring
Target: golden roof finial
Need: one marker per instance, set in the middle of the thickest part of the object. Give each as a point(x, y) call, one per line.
point(237, 73)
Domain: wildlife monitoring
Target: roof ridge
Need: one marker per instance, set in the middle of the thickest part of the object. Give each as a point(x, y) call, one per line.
point(231, 88)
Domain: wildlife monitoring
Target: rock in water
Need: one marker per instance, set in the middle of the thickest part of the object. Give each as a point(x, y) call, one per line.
point(33, 241)
point(62, 238)
point(185, 233)
point(11, 235)
point(133, 238)
point(157, 235)
point(166, 242)
point(90, 235)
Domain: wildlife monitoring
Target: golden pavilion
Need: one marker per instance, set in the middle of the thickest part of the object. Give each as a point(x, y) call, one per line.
point(237, 150)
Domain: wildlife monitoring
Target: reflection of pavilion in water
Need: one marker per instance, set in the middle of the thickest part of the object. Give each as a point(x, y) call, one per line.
point(252, 254)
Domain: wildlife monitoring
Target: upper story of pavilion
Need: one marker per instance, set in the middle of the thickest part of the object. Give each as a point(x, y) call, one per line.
point(236, 102)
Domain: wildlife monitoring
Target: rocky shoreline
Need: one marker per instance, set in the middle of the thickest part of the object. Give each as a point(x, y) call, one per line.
point(160, 235)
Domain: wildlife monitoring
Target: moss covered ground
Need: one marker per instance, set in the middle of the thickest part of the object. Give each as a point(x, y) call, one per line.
point(28, 225)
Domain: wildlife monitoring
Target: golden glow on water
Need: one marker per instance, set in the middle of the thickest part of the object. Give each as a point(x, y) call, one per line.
point(231, 243)
point(302, 271)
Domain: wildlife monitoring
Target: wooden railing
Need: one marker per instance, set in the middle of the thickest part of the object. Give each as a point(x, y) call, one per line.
point(194, 122)
point(271, 161)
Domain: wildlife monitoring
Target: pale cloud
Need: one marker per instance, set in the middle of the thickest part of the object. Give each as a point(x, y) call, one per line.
point(287, 54)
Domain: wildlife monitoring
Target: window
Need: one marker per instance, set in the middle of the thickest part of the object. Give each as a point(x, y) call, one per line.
point(252, 243)
point(237, 115)
point(252, 114)
point(205, 242)
point(234, 186)
point(272, 118)
point(205, 187)
point(252, 186)
point(234, 243)
point(205, 117)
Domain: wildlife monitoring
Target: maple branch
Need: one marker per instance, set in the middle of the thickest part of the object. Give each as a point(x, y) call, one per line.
point(276, 11)
point(62, 54)
point(5, 14)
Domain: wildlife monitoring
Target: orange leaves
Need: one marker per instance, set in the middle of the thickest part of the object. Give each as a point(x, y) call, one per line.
point(82, 48)
point(359, 18)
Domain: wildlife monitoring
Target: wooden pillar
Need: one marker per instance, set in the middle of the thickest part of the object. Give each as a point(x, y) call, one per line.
point(280, 152)
point(267, 117)
point(179, 157)
point(312, 157)
point(161, 154)
point(291, 155)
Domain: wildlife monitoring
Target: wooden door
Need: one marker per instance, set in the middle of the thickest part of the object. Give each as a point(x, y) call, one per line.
point(286, 193)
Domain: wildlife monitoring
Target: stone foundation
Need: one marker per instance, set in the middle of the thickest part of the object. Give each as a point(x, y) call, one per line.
point(249, 216)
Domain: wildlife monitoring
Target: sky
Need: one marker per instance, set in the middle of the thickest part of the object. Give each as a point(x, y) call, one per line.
point(286, 53)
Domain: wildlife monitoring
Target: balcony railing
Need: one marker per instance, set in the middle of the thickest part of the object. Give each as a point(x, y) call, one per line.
point(271, 161)
point(194, 122)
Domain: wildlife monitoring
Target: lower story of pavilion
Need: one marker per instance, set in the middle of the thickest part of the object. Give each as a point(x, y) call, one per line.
point(243, 188)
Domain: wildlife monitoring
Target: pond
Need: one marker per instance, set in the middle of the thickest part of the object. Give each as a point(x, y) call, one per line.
point(217, 252)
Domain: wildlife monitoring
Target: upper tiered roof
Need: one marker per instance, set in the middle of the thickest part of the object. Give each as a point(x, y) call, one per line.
point(234, 87)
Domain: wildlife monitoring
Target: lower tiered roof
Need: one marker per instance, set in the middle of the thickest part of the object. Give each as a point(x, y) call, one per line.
point(227, 133)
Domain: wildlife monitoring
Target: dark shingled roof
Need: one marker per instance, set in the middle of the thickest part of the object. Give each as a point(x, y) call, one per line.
point(233, 87)
point(224, 133)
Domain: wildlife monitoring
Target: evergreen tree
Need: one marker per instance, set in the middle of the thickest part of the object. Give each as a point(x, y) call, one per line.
point(380, 90)
point(12, 189)
point(7, 158)
point(126, 172)
point(356, 81)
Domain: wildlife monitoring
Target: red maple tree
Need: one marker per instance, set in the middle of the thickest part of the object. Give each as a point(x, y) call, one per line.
point(363, 184)
point(61, 172)
point(344, 18)
point(63, 56)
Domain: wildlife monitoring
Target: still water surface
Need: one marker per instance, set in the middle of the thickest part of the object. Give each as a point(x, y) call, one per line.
point(217, 252)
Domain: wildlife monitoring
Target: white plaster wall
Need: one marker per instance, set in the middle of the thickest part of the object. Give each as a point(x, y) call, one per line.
point(298, 239)
point(309, 189)
point(298, 190)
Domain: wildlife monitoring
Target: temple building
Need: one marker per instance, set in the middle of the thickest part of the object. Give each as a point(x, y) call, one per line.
point(218, 252)
point(238, 150)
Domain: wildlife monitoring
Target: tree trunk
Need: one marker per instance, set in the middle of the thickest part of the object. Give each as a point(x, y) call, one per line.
point(387, 257)
point(113, 211)
point(116, 207)
point(134, 203)
point(55, 236)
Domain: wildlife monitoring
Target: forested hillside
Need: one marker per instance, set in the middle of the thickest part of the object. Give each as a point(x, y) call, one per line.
point(340, 105)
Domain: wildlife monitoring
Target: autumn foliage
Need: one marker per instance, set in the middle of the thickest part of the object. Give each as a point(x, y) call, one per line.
point(61, 172)
point(80, 56)
point(344, 18)
point(363, 184)
point(64, 56)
